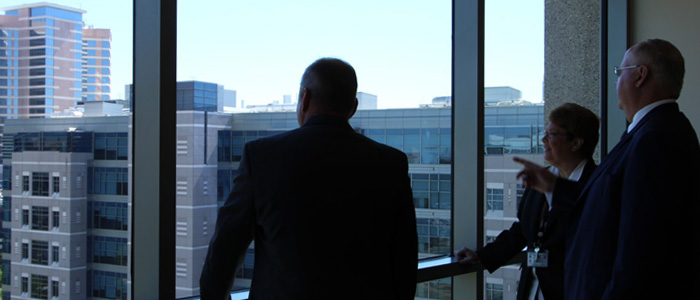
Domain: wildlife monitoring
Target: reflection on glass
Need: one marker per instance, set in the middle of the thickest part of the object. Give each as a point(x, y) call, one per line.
point(64, 148)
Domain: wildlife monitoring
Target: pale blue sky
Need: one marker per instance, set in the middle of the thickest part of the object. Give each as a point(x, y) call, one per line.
point(400, 49)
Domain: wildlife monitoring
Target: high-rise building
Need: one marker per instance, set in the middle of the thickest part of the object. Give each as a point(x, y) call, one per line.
point(366, 101)
point(44, 43)
point(49, 62)
point(67, 179)
point(96, 64)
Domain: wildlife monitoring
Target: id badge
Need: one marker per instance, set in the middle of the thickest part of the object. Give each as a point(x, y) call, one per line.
point(537, 258)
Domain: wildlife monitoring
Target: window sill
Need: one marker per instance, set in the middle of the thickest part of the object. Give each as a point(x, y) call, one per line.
point(428, 269)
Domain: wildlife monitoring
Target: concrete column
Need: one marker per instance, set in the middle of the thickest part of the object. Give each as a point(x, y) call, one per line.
point(572, 53)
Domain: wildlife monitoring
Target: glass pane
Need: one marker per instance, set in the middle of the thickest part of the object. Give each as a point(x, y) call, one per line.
point(56, 173)
point(514, 118)
point(252, 67)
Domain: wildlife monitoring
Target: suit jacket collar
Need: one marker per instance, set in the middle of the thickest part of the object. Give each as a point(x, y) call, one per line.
point(669, 108)
point(326, 120)
point(588, 170)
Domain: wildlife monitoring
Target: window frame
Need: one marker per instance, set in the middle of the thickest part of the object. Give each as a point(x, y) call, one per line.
point(154, 72)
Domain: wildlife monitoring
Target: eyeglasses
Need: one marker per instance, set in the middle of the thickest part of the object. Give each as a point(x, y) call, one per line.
point(551, 134)
point(618, 70)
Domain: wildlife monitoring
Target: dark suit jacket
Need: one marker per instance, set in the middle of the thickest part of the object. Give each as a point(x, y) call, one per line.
point(332, 215)
point(524, 233)
point(637, 237)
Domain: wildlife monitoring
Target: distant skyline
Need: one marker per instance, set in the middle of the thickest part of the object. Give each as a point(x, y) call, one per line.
point(401, 50)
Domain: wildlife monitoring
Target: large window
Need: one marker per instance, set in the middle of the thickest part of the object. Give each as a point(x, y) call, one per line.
point(40, 287)
point(111, 145)
point(108, 285)
point(40, 252)
point(109, 181)
point(40, 184)
point(513, 118)
point(40, 218)
point(109, 215)
point(493, 291)
point(109, 250)
point(415, 120)
point(494, 201)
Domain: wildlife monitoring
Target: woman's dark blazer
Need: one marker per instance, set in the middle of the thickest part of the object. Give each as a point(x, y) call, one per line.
point(524, 233)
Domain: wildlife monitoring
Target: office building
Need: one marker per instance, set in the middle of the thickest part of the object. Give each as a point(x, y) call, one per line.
point(197, 95)
point(65, 227)
point(225, 99)
point(68, 188)
point(366, 101)
point(96, 64)
point(194, 95)
point(49, 62)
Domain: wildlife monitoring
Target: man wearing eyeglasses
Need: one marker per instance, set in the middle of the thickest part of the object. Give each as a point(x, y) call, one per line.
point(637, 238)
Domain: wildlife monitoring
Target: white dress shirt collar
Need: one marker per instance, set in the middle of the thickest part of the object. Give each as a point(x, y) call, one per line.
point(574, 176)
point(644, 111)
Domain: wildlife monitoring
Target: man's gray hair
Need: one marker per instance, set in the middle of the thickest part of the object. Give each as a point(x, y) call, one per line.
point(332, 84)
point(665, 63)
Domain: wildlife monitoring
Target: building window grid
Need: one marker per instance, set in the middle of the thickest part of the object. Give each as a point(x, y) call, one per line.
point(109, 285)
point(40, 218)
point(55, 219)
point(25, 251)
point(7, 209)
point(56, 184)
point(109, 215)
point(54, 254)
point(109, 181)
point(519, 192)
point(421, 146)
point(494, 200)
point(25, 217)
point(40, 287)
point(40, 184)
point(6, 272)
point(432, 191)
point(40, 253)
point(434, 235)
point(54, 288)
point(111, 146)
point(493, 291)
point(6, 240)
point(25, 183)
point(109, 250)
point(25, 284)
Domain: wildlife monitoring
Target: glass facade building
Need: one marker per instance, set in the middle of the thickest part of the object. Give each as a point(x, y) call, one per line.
point(197, 95)
point(94, 190)
point(70, 233)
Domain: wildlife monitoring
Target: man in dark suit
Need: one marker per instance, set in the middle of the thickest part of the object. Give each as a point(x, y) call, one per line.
point(637, 235)
point(331, 211)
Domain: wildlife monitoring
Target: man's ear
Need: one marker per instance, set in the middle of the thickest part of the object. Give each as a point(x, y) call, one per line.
point(305, 100)
point(354, 110)
point(642, 76)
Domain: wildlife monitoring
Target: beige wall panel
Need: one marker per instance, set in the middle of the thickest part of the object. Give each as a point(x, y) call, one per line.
point(676, 21)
